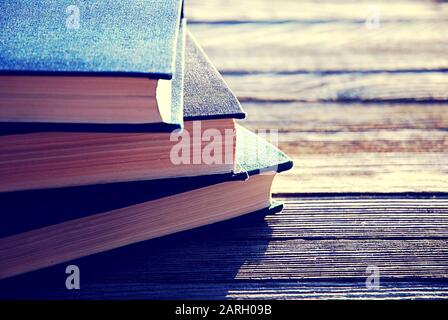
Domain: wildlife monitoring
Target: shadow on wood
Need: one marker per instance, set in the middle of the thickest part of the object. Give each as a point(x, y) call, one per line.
point(187, 265)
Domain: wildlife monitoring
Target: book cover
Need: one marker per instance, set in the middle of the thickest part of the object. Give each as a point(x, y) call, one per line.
point(206, 95)
point(102, 37)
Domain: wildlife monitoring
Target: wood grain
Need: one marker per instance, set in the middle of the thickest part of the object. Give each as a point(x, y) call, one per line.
point(358, 147)
point(292, 47)
point(341, 290)
point(315, 11)
point(318, 247)
point(291, 259)
point(368, 172)
point(358, 109)
point(329, 35)
point(347, 118)
point(429, 87)
point(340, 46)
point(351, 218)
point(259, 290)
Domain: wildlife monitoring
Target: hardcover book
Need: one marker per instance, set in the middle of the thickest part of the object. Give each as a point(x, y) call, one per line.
point(92, 63)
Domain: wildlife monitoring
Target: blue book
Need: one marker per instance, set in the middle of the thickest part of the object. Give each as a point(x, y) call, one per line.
point(92, 63)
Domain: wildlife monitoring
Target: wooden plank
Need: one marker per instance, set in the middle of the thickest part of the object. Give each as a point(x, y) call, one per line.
point(250, 290)
point(197, 264)
point(367, 217)
point(339, 259)
point(328, 35)
point(334, 290)
point(311, 10)
point(358, 147)
point(307, 36)
point(339, 118)
point(293, 259)
point(365, 172)
point(279, 56)
point(382, 87)
point(322, 47)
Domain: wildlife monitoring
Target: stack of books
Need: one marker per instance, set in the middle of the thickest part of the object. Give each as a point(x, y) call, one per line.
point(116, 128)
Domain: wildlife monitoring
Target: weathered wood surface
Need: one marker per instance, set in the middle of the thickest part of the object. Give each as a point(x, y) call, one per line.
point(385, 217)
point(359, 109)
point(318, 247)
point(254, 36)
point(358, 147)
point(313, 11)
point(430, 87)
point(329, 47)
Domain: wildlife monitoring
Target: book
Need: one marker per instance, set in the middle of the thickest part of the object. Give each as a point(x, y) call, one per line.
point(52, 159)
point(79, 221)
point(92, 63)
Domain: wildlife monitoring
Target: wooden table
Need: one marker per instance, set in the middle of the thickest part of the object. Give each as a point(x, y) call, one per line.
point(363, 111)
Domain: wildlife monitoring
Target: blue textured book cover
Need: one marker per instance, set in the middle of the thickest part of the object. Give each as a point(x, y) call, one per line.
point(126, 37)
point(199, 93)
